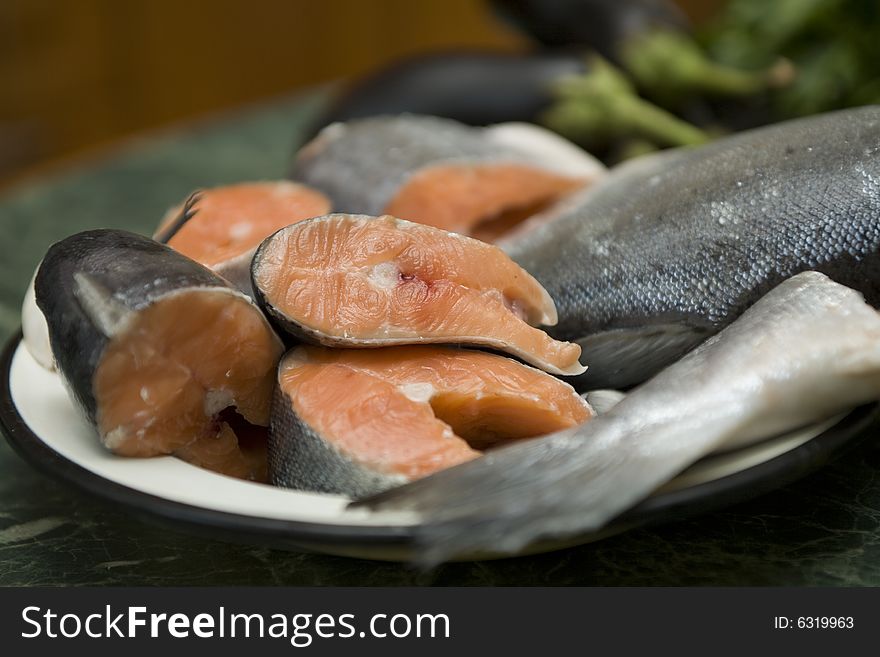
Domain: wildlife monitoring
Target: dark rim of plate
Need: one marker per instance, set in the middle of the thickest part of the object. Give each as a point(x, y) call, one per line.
point(737, 487)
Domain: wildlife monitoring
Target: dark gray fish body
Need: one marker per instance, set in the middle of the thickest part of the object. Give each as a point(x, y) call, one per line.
point(669, 250)
point(807, 351)
point(90, 283)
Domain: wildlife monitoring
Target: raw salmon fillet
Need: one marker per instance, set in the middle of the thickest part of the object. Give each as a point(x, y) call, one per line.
point(359, 281)
point(481, 182)
point(221, 227)
point(359, 421)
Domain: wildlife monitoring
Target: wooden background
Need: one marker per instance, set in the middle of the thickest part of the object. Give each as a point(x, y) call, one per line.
point(76, 74)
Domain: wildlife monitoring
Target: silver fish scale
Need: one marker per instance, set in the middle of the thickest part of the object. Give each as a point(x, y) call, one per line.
point(362, 164)
point(691, 238)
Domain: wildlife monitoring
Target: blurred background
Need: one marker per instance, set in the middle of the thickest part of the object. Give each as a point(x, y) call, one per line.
point(79, 76)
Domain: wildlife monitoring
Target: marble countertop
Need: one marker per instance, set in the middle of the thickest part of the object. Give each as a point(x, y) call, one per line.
point(823, 530)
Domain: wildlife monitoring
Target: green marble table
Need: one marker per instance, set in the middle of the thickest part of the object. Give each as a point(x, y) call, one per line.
point(823, 530)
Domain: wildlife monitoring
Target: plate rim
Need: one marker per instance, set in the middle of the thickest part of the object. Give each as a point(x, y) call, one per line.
point(678, 504)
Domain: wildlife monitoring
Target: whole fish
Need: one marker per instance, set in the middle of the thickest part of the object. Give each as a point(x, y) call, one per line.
point(668, 250)
point(806, 351)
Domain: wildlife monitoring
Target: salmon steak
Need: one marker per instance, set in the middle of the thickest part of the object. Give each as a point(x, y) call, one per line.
point(481, 182)
point(221, 227)
point(161, 355)
point(356, 422)
point(358, 281)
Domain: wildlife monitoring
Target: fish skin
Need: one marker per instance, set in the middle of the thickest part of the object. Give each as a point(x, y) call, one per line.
point(134, 271)
point(362, 164)
point(669, 249)
point(808, 350)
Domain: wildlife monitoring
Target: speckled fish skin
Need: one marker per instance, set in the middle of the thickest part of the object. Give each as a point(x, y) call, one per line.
point(805, 352)
point(129, 271)
point(669, 250)
point(362, 164)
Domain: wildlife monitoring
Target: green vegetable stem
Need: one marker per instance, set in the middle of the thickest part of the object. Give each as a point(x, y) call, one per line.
point(602, 105)
point(671, 66)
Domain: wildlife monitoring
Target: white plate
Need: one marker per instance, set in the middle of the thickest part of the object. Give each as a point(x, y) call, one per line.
point(42, 424)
